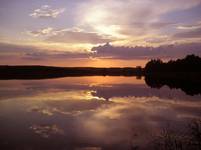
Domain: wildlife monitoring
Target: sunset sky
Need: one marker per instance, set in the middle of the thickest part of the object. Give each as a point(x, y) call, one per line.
point(100, 33)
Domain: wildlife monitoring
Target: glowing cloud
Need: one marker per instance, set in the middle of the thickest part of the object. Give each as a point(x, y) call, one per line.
point(46, 12)
point(41, 32)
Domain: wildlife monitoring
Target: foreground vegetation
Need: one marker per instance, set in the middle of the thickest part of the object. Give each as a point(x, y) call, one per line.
point(170, 138)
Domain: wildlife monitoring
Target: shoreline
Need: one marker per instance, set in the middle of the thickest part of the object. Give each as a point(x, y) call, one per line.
point(45, 72)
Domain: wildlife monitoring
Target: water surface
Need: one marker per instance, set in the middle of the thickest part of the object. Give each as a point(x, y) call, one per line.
point(91, 113)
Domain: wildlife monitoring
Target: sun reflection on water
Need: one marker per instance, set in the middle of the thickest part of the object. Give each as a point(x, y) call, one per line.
point(93, 113)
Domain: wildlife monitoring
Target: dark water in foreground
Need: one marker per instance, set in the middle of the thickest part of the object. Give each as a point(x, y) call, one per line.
point(92, 113)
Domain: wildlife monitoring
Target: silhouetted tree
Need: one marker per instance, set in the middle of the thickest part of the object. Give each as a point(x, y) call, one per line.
point(181, 73)
point(190, 63)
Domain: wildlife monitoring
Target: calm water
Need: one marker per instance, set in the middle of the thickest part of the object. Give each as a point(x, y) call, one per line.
point(91, 113)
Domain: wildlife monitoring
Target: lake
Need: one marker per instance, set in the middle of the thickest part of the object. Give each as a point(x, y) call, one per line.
point(95, 113)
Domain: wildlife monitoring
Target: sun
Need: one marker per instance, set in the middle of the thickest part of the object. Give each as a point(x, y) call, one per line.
point(98, 18)
point(96, 15)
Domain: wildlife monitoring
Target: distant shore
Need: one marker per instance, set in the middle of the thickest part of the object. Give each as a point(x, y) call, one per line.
point(189, 82)
point(45, 72)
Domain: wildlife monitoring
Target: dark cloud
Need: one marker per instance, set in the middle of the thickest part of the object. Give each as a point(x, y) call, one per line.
point(60, 55)
point(140, 52)
point(14, 49)
point(33, 53)
point(104, 51)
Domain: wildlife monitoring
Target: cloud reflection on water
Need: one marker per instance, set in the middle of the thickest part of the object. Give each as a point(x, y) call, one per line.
point(103, 116)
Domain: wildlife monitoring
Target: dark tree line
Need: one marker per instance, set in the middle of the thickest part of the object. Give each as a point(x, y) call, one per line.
point(186, 84)
point(190, 63)
point(45, 72)
point(184, 74)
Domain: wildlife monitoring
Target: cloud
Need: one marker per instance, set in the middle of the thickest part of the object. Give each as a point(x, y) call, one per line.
point(189, 31)
point(194, 26)
point(140, 52)
point(47, 12)
point(130, 11)
point(46, 131)
point(24, 52)
point(157, 39)
point(54, 55)
point(71, 36)
point(30, 53)
point(15, 49)
point(133, 17)
point(196, 33)
point(140, 29)
point(41, 32)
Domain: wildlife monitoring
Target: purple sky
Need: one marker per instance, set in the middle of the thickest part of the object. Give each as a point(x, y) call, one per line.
point(75, 32)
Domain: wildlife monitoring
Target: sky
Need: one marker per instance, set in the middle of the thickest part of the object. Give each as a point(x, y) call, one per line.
point(98, 33)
